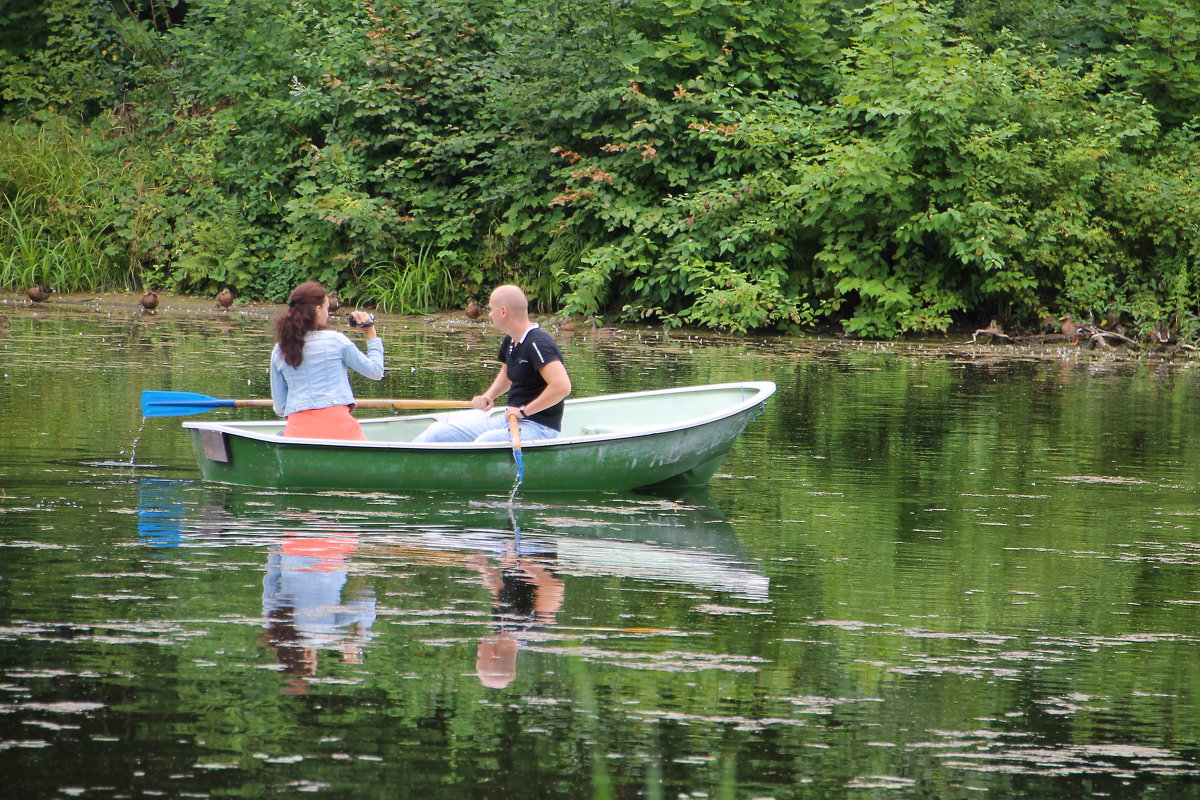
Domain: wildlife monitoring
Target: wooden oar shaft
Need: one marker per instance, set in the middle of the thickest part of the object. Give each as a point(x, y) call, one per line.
point(373, 403)
point(514, 430)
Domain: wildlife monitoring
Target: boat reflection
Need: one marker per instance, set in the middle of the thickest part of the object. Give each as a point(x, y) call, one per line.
point(329, 555)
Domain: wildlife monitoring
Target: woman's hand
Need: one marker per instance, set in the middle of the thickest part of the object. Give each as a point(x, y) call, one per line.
point(482, 402)
point(364, 320)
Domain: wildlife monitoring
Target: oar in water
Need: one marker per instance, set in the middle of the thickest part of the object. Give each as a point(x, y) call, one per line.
point(515, 431)
point(177, 404)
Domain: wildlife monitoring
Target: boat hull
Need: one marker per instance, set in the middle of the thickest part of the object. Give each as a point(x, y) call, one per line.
point(685, 453)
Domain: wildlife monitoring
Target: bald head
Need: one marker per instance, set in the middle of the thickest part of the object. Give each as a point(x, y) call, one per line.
point(496, 660)
point(511, 297)
point(509, 309)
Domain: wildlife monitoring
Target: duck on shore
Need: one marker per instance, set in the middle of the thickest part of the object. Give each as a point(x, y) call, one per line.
point(1070, 327)
point(225, 298)
point(40, 293)
point(149, 300)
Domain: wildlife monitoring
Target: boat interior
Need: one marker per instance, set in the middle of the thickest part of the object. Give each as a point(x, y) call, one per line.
point(584, 418)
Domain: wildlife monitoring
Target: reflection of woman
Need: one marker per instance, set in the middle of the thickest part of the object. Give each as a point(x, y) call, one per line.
point(304, 607)
point(526, 595)
point(309, 383)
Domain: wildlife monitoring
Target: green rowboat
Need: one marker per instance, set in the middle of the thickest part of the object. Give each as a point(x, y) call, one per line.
point(617, 442)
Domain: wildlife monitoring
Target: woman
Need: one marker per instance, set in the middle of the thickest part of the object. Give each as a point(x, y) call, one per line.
point(309, 383)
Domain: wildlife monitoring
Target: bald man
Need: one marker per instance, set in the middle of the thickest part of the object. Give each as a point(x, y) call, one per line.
point(531, 373)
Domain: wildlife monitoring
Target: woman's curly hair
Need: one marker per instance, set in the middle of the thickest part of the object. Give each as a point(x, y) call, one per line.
point(300, 318)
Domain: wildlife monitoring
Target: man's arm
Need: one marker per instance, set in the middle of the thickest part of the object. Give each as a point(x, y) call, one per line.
point(558, 386)
point(500, 385)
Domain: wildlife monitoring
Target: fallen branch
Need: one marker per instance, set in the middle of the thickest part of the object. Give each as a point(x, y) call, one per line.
point(990, 332)
point(1099, 336)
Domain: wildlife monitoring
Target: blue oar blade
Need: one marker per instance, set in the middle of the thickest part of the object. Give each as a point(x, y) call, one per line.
point(177, 404)
point(520, 459)
point(514, 435)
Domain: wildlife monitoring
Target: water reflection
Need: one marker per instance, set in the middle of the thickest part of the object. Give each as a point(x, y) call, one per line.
point(526, 596)
point(981, 582)
point(327, 554)
point(162, 506)
point(309, 605)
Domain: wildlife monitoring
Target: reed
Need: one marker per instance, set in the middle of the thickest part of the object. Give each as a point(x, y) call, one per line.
point(420, 284)
point(58, 203)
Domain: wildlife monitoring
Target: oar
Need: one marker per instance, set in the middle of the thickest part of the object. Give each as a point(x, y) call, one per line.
point(177, 404)
point(515, 431)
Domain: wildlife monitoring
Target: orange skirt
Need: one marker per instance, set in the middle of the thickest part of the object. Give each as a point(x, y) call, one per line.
point(333, 422)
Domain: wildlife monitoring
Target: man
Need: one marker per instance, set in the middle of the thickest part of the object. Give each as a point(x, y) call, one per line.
point(531, 372)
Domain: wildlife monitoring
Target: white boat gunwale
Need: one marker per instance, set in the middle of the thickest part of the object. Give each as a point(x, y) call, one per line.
point(761, 391)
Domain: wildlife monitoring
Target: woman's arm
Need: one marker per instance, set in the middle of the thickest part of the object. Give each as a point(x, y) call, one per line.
point(370, 364)
point(279, 387)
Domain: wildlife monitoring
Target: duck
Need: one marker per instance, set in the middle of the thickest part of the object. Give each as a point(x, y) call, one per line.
point(473, 310)
point(149, 300)
point(40, 293)
point(1161, 334)
point(1069, 328)
point(334, 303)
point(565, 324)
point(225, 298)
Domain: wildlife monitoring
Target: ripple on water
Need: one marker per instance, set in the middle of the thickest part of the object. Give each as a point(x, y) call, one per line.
point(1117, 760)
point(666, 661)
point(880, 782)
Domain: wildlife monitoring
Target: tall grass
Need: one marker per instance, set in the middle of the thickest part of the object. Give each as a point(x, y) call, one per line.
point(419, 284)
point(57, 210)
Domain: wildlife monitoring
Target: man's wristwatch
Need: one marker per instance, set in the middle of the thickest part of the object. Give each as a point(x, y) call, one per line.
point(522, 410)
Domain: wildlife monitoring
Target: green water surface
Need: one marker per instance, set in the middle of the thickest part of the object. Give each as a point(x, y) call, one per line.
point(924, 572)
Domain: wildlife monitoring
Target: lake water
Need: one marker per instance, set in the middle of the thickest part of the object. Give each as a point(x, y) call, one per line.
point(926, 572)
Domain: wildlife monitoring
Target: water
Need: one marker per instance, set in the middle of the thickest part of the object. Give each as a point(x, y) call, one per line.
point(924, 572)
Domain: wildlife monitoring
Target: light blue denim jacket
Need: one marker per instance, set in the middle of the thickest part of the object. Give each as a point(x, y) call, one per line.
point(321, 379)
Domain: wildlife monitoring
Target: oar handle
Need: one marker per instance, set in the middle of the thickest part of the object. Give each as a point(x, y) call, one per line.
point(371, 403)
point(405, 403)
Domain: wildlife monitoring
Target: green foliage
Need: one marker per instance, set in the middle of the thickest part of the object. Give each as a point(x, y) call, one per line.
point(66, 54)
point(214, 252)
point(892, 167)
point(936, 182)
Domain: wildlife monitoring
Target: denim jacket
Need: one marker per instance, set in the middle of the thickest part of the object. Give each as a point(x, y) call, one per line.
point(321, 379)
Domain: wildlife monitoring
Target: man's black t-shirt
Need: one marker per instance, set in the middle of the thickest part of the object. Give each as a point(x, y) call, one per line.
point(524, 362)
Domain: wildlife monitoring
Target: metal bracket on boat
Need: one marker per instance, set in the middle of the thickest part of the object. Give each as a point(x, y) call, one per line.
point(216, 446)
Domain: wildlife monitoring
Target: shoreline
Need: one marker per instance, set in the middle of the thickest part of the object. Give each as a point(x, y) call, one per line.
point(954, 344)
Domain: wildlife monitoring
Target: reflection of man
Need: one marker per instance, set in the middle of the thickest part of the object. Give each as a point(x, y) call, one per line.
point(303, 607)
point(525, 596)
